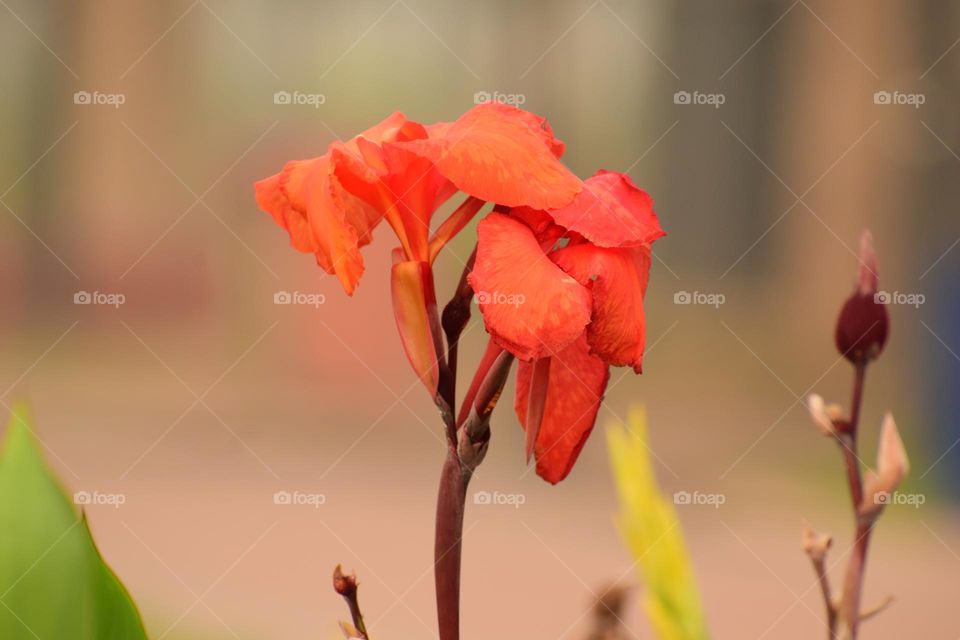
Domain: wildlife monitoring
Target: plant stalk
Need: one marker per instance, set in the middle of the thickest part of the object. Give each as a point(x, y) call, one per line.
point(447, 548)
point(853, 581)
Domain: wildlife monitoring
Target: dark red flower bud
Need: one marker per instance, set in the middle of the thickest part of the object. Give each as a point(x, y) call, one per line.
point(344, 584)
point(863, 324)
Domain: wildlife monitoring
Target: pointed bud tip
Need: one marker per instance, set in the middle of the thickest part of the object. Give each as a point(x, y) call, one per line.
point(892, 462)
point(868, 282)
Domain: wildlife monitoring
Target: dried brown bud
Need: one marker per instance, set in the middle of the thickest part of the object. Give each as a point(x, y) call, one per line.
point(345, 585)
point(814, 544)
point(863, 324)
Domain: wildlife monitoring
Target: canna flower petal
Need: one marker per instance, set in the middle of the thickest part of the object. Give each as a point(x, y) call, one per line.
point(501, 154)
point(330, 204)
point(411, 284)
point(611, 211)
point(321, 217)
point(575, 389)
point(405, 187)
point(617, 279)
point(529, 305)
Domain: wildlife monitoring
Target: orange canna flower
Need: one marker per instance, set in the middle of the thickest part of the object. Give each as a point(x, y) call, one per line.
point(402, 172)
point(562, 290)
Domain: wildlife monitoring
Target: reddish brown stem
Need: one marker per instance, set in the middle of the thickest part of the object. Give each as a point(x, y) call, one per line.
point(449, 531)
point(820, 566)
point(853, 582)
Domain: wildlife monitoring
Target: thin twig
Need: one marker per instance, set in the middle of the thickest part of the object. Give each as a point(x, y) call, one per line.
point(346, 586)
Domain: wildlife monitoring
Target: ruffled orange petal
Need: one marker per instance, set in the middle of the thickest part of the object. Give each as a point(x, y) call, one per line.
point(611, 211)
point(617, 278)
point(501, 154)
point(529, 305)
point(575, 389)
point(272, 197)
point(405, 187)
point(310, 203)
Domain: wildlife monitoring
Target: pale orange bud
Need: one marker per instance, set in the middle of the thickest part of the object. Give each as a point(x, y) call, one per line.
point(892, 462)
point(349, 631)
point(825, 416)
point(892, 467)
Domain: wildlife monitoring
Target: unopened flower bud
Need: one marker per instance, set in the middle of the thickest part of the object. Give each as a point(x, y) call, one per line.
point(892, 467)
point(345, 585)
point(863, 324)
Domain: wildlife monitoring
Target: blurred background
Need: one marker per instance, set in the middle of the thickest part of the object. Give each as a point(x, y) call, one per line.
point(769, 133)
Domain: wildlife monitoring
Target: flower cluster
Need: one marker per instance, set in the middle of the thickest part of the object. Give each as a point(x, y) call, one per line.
point(560, 267)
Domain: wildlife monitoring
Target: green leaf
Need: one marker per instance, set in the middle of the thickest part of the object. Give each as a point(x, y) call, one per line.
point(653, 534)
point(54, 584)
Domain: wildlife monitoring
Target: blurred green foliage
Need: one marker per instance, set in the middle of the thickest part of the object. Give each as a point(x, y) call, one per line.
point(53, 582)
